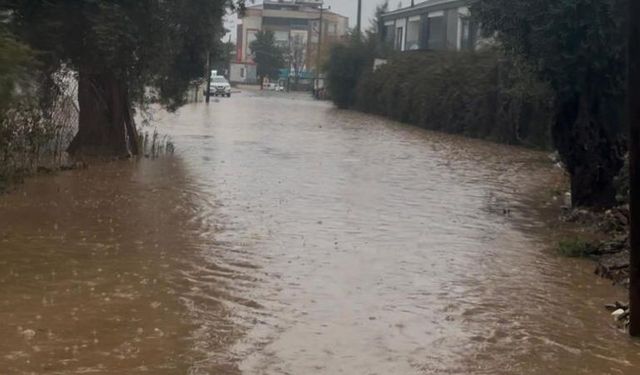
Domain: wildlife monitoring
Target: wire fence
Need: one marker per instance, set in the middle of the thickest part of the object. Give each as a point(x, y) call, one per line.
point(35, 133)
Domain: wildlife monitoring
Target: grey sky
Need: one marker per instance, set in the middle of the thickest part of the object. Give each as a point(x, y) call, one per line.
point(348, 8)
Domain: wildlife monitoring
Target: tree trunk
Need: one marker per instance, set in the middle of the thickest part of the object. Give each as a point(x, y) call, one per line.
point(106, 126)
point(592, 153)
point(634, 173)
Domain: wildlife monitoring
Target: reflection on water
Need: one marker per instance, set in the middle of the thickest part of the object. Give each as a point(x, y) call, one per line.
point(92, 273)
point(291, 238)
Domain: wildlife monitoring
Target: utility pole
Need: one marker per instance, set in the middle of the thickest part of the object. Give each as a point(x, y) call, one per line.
point(208, 89)
point(359, 24)
point(320, 25)
point(633, 105)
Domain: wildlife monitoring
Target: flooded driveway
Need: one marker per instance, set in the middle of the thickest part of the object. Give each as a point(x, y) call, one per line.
point(288, 237)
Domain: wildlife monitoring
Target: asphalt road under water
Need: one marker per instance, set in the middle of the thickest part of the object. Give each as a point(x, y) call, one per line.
point(288, 237)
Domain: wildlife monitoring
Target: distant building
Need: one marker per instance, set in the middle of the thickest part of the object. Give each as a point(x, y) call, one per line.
point(245, 73)
point(292, 21)
point(431, 25)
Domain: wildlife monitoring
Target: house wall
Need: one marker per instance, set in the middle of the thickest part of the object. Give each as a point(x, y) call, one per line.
point(239, 43)
point(425, 7)
point(439, 26)
point(286, 22)
point(243, 73)
point(343, 26)
point(251, 24)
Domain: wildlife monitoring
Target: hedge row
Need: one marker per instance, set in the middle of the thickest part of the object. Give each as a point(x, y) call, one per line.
point(477, 94)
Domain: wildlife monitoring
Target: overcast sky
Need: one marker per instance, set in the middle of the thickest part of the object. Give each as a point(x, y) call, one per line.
point(347, 8)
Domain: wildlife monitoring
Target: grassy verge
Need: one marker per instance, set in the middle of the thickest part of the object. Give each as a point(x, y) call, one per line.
point(576, 248)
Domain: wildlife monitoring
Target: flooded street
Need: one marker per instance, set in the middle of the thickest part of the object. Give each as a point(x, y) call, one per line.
point(337, 244)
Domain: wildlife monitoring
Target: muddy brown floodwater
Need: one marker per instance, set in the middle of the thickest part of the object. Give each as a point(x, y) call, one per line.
point(288, 237)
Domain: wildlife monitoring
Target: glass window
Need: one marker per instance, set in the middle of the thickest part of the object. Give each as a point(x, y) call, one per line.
point(436, 33)
point(389, 34)
point(465, 34)
point(399, 32)
point(413, 34)
point(282, 38)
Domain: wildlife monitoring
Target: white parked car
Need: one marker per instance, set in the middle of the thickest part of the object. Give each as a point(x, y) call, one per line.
point(219, 86)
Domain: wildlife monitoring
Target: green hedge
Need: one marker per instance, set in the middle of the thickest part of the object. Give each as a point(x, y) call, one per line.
point(346, 65)
point(477, 94)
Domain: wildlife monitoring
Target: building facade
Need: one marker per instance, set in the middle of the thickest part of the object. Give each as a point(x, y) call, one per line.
point(431, 25)
point(296, 26)
point(243, 73)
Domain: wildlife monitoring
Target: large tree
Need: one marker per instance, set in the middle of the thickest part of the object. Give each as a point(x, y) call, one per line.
point(578, 46)
point(222, 60)
point(267, 55)
point(297, 57)
point(15, 61)
point(120, 49)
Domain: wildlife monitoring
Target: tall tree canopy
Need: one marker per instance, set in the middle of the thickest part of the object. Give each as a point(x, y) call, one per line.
point(15, 61)
point(346, 65)
point(221, 61)
point(119, 49)
point(578, 46)
point(297, 56)
point(267, 55)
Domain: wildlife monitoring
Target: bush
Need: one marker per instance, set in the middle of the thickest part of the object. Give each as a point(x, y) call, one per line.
point(16, 59)
point(575, 248)
point(34, 131)
point(346, 64)
point(478, 94)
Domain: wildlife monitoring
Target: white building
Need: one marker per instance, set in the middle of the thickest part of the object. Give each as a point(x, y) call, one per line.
point(290, 20)
point(244, 73)
point(431, 25)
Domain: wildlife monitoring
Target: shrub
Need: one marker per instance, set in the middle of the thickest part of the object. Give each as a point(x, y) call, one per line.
point(575, 248)
point(346, 65)
point(35, 129)
point(478, 94)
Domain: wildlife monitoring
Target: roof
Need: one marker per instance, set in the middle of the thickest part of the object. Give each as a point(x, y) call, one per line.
point(426, 5)
point(308, 10)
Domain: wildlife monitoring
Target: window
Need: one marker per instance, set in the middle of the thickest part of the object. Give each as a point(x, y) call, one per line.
point(333, 29)
point(315, 31)
point(399, 33)
point(282, 38)
point(389, 32)
point(436, 30)
point(413, 33)
point(465, 34)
